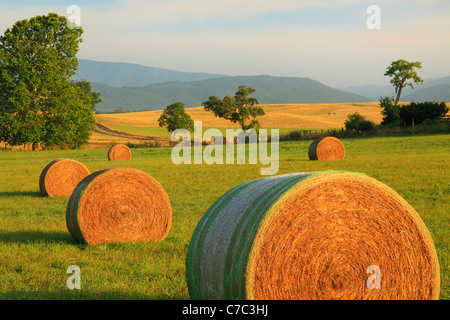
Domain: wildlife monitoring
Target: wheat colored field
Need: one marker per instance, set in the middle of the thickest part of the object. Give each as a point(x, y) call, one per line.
point(282, 116)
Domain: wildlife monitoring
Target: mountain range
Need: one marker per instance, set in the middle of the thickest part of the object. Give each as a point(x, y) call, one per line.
point(134, 87)
point(435, 89)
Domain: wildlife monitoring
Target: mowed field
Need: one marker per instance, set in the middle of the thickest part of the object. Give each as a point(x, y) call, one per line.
point(36, 247)
point(285, 117)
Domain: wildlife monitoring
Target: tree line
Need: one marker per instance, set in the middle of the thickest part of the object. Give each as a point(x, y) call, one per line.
point(402, 74)
point(39, 104)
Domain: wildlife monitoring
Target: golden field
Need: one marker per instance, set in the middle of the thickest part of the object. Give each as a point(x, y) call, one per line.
point(301, 116)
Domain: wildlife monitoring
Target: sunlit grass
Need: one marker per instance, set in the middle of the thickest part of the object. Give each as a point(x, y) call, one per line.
point(36, 247)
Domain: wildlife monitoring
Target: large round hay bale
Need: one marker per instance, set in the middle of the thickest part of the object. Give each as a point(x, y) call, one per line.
point(315, 236)
point(326, 148)
point(61, 176)
point(119, 205)
point(119, 152)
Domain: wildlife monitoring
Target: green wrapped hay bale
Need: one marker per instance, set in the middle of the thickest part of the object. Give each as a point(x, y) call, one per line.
point(318, 235)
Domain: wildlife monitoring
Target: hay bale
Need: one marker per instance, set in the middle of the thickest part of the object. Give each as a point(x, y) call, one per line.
point(61, 176)
point(311, 236)
point(119, 205)
point(119, 152)
point(326, 148)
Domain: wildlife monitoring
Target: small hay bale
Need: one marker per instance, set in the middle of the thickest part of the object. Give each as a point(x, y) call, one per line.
point(119, 205)
point(61, 176)
point(326, 148)
point(119, 152)
point(312, 236)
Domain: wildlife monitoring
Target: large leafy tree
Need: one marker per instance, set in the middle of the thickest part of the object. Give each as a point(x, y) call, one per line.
point(401, 71)
point(90, 97)
point(38, 103)
point(242, 108)
point(175, 117)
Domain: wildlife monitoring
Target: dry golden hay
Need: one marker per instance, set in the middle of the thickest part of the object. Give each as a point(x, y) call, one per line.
point(119, 152)
point(312, 236)
point(326, 148)
point(61, 176)
point(119, 205)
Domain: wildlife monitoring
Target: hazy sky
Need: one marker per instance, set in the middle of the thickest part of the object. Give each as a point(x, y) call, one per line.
point(328, 41)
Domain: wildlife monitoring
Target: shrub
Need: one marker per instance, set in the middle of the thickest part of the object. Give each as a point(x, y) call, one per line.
point(357, 122)
point(421, 111)
point(366, 125)
point(390, 110)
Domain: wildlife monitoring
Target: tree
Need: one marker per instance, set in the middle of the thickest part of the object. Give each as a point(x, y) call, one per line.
point(357, 122)
point(238, 109)
point(415, 113)
point(174, 117)
point(401, 71)
point(90, 97)
point(390, 111)
point(69, 123)
point(38, 103)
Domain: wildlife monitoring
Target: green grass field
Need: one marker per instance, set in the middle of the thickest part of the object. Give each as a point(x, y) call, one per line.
point(36, 247)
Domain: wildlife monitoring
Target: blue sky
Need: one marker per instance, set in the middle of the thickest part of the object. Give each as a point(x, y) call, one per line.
point(324, 40)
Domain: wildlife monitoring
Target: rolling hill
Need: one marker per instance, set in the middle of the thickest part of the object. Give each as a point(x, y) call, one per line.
point(375, 91)
point(437, 93)
point(128, 74)
point(269, 90)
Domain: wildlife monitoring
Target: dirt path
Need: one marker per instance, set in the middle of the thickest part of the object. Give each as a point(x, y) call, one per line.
point(104, 129)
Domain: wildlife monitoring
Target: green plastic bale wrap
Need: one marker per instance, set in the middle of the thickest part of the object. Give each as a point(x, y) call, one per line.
point(318, 236)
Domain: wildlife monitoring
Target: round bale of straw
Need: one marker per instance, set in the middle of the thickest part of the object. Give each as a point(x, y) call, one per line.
point(119, 152)
point(326, 148)
point(312, 236)
point(119, 205)
point(61, 176)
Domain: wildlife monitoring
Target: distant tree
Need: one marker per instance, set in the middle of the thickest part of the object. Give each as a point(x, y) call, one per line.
point(357, 122)
point(241, 108)
point(390, 111)
point(416, 113)
point(175, 117)
point(401, 71)
point(119, 110)
point(38, 103)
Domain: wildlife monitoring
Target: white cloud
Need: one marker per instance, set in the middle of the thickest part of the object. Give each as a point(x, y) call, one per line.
point(143, 32)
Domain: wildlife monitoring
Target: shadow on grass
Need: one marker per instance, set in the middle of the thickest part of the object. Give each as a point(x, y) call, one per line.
point(9, 194)
point(30, 237)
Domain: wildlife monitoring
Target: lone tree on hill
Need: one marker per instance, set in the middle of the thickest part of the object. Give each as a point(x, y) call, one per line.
point(401, 71)
point(174, 117)
point(38, 102)
point(238, 109)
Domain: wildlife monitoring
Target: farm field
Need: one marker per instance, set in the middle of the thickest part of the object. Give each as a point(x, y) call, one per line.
point(37, 248)
point(285, 117)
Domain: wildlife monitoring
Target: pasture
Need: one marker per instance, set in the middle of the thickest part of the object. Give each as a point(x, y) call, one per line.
point(36, 247)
